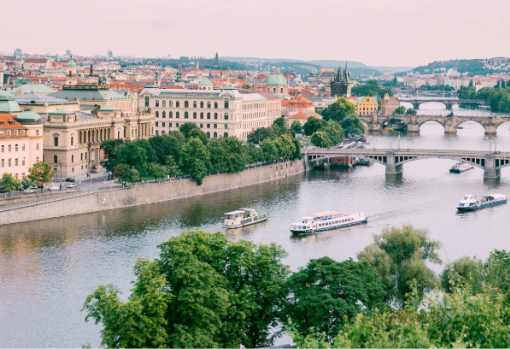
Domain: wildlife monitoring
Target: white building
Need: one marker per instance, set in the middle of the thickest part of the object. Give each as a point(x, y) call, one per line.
point(218, 113)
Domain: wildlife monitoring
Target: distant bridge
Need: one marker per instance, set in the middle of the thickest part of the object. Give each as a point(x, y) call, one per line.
point(449, 102)
point(394, 159)
point(450, 123)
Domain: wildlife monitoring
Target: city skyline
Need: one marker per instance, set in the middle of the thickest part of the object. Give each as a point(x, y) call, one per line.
point(390, 34)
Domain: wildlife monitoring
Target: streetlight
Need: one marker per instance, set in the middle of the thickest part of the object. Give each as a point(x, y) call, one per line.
point(60, 165)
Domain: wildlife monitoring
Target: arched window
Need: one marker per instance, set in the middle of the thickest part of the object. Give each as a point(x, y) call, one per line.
point(194, 115)
point(171, 104)
point(226, 103)
point(216, 116)
point(157, 114)
point(225, 134)
point(157, 103)
point(163, 132)
point(215, 105)
point(157, 133)
point(215, 134)
point(201, 104)
point(146, 101)
point(186, 104)
point(208, 115)
point(281, 89)
point(201, 115)
point(194, 104)
point(176, 114)
point(208, 134)
point(170, 114)
point(185, 114)
point(226, 116)
point(163, 104)
point(208, 104)
point(163, 114)
point(55, 159)
point(177, 104)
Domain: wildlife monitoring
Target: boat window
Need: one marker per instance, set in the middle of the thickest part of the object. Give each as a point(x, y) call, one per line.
point(466, 197)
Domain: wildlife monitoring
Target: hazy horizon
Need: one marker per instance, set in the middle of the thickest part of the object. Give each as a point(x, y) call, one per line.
point(393, 33)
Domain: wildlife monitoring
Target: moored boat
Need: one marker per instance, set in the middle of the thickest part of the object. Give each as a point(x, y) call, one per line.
point(460, 167)
point(327, 220)
point(471, 203)
point(243, 217)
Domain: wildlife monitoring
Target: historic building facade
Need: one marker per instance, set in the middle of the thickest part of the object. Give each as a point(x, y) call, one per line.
point(389, 104)
point(341, 86)
point(277, 84)
point(219, 113)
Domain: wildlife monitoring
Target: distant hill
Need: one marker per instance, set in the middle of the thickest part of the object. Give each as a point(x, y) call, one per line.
point(356, 68)
point(470, 66)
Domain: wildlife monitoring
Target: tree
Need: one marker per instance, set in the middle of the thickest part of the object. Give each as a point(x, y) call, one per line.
point(261, 134)
point(133, 154)
point(312, 125)
point(353, 125)
point(126, 173)
point(320, 139)
point(158, 171)
point(254, 154)
point(9, 183)
point(399, 256)
point(41, 172)
point(235, 155)
point(339, 110)
point(110, 148)
point(297, 150)
point(269, 151)
point(400, 110)
point(217, 156)
point(334, 131)
point(171, 165)
point(410, 111)
point(186, 128)
point(279, 126)
point(326, 293)
point(286, 148)
point(27, 182)
point(194, 159)
point(203, 291)
point(296, 127)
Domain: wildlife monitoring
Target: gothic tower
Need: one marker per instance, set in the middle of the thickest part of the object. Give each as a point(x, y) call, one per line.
point(341, 86)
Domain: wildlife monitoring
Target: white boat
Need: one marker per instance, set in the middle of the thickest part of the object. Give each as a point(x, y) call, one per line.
point(326, 221)
point(460, 167)
point(471, 203)
point(243, 217)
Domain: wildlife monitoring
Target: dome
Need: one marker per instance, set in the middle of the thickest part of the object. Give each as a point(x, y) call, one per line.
point(28, 117)
point(205, 82)
point(8, 105)
point(71, 64)
point(277, 79)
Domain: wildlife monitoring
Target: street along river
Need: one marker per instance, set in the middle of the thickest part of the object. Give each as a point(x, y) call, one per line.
point(47, 268)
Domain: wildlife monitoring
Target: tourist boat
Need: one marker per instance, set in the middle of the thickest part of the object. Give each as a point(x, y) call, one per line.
point(471, 203)
point(364, 162)
point(326, 221)
point(243, 217)
point(460, 167)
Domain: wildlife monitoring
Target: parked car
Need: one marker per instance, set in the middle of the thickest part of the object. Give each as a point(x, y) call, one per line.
point(29, 190)
point(70, 179)
point(72, 185)
point(54, 187)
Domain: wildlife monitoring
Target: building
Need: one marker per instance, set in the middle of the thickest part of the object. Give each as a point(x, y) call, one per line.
point(389, 104)
point(277, 84)
point(326, 76)
point(367, 105)
point(21, 138)
point(301, 117)
point(43, 104)
point(72, 139)
point(219, 113)
point(341, 86)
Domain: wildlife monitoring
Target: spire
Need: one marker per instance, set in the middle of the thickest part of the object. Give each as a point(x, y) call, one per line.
point(339, 74)
point(277, 70)
point(346, 73)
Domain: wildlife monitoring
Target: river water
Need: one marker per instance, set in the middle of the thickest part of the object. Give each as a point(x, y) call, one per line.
point(47, 268)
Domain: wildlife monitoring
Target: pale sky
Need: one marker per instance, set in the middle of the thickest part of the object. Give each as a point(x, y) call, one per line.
point(374, 32)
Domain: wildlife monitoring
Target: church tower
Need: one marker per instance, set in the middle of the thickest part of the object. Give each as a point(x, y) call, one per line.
point(341, 86)
point(71, 78)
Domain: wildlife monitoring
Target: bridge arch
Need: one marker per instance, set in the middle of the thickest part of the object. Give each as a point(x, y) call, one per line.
point(470, 121)
point(473, 161)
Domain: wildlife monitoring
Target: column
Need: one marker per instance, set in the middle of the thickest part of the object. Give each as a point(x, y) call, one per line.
point(490, 171)
point(392, 168)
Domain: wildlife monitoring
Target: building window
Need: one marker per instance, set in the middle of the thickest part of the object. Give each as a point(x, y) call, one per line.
point(15, 147)
point(72, 140)
point(201, 115)
point(85, 156)
point(36, 159)
point(22, 133)
point(22, 161)
point(194, 115)
point(37, 132)
point(215, 116)
point(55, 159)
point(157, 114)
point(157, 133)
point(9, 162)
point(281, 90)
point(15, 133)
point(8, 133)
point(81, 156)
point(215, 125)
point(170, 104)
point(208, 125)
point(194, 104)
point(225, 135)
point(226, 116)
point(3, 162)
point(3, 148)
point(208, 134)
point(201, 125)
point(186, 114)
point(177, 124)
point(163, 114)
point(226, 103)
point(157, 124)
point(186, 104)
point(157, 103)
point(163, 104)
point(55, 141)
point(215, 135)
point(146, 101)
point(177, 104)
point(9, 147)
point(169, 124)
point(163, 124)
point(170, 114)
point(215, 105)
point(208, 105)
point(177, 115)
point(1, 134)
point(208, 116)
point(201, 104)
point(226, 126)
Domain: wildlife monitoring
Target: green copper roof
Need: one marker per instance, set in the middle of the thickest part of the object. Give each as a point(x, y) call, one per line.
point(4, 94)
point(205, 81)
point(109, 109)
point(277, 79)
point(36, 88)
point(71, 63)
point(89, 95)
point(61, 112)
point(9, 106)
point(27, 115)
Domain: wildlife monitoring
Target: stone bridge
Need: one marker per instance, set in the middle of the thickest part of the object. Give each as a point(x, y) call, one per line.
point(449, 102)
point(394, 159)
point(490, 124)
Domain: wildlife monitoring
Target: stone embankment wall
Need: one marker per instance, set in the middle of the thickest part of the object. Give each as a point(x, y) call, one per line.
point(150, 193)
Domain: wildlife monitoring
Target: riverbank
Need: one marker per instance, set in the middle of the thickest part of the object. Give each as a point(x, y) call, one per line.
point(102, 200)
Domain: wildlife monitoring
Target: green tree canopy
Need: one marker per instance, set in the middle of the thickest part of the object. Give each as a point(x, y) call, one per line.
point(41, 172)
point(235, 155)
point(194, 159)
point(296, 127)
point(126, 173)
point(9, 183)
point(312, 125)
point(158, 171)
point(339, 110)
point(261, 134)
point(353, 125)
point(279, 126)
point(334, 131)
point(321, 139)
point(400, 110)
point(269, 150)
point(110, 148)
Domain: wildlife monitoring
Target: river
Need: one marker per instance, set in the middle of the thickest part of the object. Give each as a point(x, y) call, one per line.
point(47, 268)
